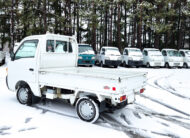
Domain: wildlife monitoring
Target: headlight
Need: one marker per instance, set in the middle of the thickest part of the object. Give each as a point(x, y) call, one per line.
point(130, 58)
point(93, 58)
point(107, 58)
point(79, 57)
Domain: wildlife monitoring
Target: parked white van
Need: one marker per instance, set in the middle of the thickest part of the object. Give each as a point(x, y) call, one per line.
point(152, 57)
point(109, 56)
point(45, 66)
point(172, 58)
point(186, 57)
point(132, 57)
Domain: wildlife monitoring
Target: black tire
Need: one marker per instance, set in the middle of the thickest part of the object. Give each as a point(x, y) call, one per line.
point(91, 108)
point(101, 64)
point(185, 65)
point(124, 64)
point(167, 65)
point(148, 65)
point(3, 62)
point(25, 96)
point(115, 66)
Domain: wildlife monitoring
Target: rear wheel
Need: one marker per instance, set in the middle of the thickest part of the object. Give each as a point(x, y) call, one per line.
point(124, 64)
point(167, 65)
point(148, 65)
point(185, 65)
point(87, 109)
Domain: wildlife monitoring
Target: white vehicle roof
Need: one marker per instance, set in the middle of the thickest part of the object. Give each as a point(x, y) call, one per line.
point(84, 44)
point(184, 50)
point(150, 49)
point(132, 48)
point(109, 47)
point(169, 49)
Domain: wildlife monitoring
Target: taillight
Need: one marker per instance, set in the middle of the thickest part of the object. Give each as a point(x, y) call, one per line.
point(142, 90)
point(113, 88)
point(122, 98)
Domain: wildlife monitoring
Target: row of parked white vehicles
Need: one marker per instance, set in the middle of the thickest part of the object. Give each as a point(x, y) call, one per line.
point(149, 57)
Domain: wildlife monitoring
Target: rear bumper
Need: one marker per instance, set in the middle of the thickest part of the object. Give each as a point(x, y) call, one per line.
point(112, 62)
point(135, 63)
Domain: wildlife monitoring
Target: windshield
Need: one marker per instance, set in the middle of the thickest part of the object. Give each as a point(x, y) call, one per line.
point(154, 53)
point(173, 53)
point(135, 52)
point(112, 51)
point(85, 48)
point(187, 53)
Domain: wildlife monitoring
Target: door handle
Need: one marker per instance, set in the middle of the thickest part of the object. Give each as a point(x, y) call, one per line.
point(31, 69)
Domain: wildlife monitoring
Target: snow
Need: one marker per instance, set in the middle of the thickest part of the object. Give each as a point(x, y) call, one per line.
point(161, 111)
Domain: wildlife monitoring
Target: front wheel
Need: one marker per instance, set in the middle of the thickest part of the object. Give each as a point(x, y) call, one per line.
point(24, 95)
point(185, 65)
point(167, 65)
point(87, 109)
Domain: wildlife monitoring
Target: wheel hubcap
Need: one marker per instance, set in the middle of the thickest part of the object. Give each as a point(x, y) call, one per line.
point(23, 95)
point(86, 110)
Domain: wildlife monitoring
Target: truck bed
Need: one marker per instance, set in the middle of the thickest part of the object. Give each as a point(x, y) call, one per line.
point(93, 79)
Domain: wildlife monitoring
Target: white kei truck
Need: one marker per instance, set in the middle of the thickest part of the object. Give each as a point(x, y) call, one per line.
point(45, 66)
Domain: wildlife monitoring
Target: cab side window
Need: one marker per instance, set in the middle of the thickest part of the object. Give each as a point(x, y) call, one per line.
point(126, 52)
point(27, 49)
point(50, 46)
point(103, 51)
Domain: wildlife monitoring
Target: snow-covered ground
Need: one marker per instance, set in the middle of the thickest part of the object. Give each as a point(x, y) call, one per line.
point(161, 111)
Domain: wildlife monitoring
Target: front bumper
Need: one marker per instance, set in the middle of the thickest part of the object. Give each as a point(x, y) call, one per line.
point(135, 63)
point(112, 62)
point(86, 62)
point(157, 64)
point(175, 64)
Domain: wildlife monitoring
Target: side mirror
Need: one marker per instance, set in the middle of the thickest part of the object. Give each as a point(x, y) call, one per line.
point(12, 55)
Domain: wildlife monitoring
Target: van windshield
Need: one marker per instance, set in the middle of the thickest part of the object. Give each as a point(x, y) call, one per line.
point(173, 53)
point(85, 49)
point(112, 51)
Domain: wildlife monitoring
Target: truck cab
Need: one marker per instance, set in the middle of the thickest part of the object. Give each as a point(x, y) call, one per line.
point(172, 58)
point(132, 57)
point(152, 57)
point(109, 56)
point(185, 53)
point(86, 55)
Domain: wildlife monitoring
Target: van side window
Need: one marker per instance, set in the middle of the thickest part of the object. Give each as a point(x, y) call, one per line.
point(50, 46)
point(63, 47)
point(182, 53)
point(27, 49)
point(126, 51)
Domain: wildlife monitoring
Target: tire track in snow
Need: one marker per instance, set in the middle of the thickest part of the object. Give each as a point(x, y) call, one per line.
point(166, 105)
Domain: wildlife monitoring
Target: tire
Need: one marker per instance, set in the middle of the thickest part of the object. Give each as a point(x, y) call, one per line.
point(124, 64)
point(185, 65)
point(101, 64)
point(3, 62)
point(25, 96)
point(148, 65)
point(87, 110)
point(115, 66)
point(167, 65)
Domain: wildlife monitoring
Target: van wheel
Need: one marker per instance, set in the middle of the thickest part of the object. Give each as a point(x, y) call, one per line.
point(101, 64)
point(185, 65)
point(87, 109)
point(148, 65)
point(167, 65)
point(24, 95)
point(124, 64)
